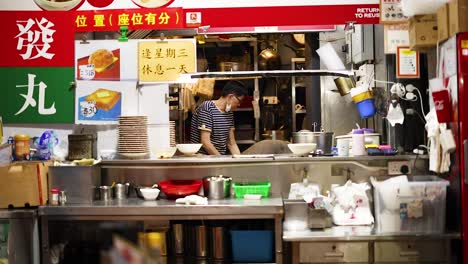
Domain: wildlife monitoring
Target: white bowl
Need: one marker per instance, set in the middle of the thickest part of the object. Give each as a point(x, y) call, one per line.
point(302, 148)
point(189, 149)
point(108, 154)
point(165, 153)
point(149, 193)
point(65, 5)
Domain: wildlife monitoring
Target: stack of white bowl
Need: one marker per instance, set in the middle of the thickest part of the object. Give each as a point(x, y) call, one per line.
point(133, 137)
point(172, 130)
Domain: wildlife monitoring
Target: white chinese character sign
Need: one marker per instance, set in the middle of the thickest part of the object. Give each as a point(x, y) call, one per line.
point(37, 67)
point(37, 39)
point(36, 95)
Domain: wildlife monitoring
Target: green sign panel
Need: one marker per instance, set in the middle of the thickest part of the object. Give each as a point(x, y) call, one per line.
point(37, 95)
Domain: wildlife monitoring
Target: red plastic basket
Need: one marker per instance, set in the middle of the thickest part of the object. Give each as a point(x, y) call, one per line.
point(180, 188)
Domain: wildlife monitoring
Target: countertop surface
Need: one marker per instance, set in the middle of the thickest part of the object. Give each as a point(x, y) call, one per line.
point(357, 233)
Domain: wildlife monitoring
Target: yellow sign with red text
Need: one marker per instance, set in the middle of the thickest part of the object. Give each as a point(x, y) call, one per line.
point(164, 61)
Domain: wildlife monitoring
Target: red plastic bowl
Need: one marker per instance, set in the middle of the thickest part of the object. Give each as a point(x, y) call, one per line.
point(180, 188)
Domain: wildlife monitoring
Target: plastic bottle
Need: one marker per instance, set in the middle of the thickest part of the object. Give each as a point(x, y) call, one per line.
point(359, 148)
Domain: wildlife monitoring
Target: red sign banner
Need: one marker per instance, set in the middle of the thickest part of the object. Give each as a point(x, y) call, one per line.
point(37, 39)
point(112, 20)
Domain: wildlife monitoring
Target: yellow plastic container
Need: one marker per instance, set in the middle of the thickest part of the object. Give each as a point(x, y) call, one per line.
point(22, 147)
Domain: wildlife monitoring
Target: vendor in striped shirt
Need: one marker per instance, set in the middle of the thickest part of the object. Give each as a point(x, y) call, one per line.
point(213, 121)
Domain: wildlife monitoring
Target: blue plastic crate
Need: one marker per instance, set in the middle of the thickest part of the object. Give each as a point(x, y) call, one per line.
point(252, 246)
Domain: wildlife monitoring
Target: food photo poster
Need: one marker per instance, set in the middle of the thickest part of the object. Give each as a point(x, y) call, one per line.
point(102, 102)
point(106, 60)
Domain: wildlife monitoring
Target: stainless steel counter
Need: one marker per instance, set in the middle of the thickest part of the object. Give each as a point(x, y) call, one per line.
point(134, 207)
point(358, 233)
point(188, 160)
point(17, 213)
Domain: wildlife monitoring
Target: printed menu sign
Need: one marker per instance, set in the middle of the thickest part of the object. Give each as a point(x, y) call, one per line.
point(407, 63)
point(164, 61)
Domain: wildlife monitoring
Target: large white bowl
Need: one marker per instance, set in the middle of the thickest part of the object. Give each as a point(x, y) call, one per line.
point(302, 148)
point(149, 193)
point(189, 149)
point(165, 153)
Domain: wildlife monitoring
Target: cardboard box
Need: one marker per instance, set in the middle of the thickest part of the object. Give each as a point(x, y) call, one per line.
point(423, 31)
point(23, 184)
point(458, 16)
point(442, 23)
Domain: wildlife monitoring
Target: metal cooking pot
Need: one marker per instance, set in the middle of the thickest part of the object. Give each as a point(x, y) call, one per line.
point(274, 134)
point(324, 140)
point(217, 187)
point(269, 59)
point(231, 66)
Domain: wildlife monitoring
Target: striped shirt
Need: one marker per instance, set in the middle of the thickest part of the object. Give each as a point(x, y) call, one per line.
point(208, 117)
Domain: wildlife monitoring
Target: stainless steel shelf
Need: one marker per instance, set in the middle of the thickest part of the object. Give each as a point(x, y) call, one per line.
point(358, 233)
point(134, 208)
point(268, 74)
point(243, 110)
point(245, 141)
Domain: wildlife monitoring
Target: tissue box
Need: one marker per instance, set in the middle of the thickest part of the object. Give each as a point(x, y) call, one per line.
point(23, 184)
point(416, 206)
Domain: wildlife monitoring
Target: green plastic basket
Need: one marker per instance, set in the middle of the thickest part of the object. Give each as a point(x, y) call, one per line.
point(241, 189)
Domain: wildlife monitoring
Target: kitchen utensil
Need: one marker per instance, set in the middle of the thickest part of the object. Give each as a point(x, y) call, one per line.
point(165, 153)
point(188, 149)
point(324, 140)
point(201, 241)
point(180, 188)
point(231, 66)
point(218, 238)
point(81, 147)
point(149, 194)
point(344, 85)
point(278, 134)
point(302, 148)
point(178, 238)
point(105, 193)
point(217, 187)
point(120, 191)
point(269, 59)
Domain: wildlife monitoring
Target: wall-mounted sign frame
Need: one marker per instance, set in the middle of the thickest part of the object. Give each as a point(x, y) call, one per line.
point(407, 63)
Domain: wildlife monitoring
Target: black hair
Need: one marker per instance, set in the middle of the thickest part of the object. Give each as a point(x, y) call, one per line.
point(234, 87)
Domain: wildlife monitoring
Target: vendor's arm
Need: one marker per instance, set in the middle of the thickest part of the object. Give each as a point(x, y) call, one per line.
point(231, 144)
point(206, 141)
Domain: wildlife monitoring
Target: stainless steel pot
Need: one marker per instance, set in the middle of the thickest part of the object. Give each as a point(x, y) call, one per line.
point(217, 187)
point(324, 140)
point(231, 66)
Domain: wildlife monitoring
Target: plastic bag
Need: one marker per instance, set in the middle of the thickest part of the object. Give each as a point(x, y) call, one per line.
point(351, 204)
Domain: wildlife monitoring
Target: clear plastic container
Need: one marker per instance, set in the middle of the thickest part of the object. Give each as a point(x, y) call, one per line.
point(417, 206)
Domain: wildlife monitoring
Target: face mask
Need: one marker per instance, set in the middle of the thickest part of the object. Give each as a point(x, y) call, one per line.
point(228, 107)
